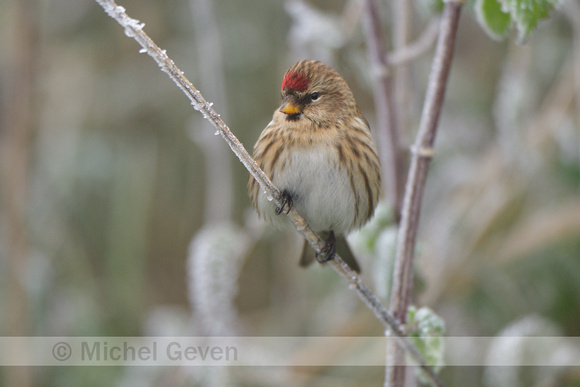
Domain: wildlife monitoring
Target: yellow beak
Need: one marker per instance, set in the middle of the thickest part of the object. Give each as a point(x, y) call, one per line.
point(291, 107)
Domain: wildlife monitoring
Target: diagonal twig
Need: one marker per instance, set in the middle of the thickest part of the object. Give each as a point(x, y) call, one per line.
point(134, 29)
point(405, 54)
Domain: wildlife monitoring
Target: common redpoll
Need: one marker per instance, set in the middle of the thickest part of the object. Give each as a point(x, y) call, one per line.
point(319, 151)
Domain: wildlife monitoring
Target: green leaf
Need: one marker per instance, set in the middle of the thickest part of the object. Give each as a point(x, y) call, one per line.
point(426, 331)
point(527, 13)
point(496, 16)
point(494, 20)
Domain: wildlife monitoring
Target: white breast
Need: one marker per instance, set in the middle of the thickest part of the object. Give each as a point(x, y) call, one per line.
point(321, 192)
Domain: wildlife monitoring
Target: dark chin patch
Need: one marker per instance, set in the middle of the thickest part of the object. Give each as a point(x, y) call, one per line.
point(293, 117)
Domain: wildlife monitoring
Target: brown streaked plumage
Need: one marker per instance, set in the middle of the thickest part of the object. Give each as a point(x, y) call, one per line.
point(318, 150)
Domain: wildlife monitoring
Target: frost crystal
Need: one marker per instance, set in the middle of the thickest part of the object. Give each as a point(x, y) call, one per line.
point(195, 102)
point(129, 32)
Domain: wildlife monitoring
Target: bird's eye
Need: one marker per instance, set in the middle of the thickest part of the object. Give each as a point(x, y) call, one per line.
point(314, 96)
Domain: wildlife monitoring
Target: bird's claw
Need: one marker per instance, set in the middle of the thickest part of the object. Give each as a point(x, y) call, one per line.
point(329, 251)
point(285, 200)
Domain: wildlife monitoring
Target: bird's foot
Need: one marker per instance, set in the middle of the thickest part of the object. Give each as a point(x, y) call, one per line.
point(328, 252)
point(286, 201)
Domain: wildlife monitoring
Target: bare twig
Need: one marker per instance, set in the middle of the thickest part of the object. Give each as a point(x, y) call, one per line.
point(386, 130)
point(133, 28)
point(401, 27)
point(404, 54)
point(422, 152)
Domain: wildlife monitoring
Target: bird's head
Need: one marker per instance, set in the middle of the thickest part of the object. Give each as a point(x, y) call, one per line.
point(314, 91)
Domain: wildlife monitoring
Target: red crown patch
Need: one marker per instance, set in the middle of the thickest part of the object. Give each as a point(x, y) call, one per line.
point(295, 81)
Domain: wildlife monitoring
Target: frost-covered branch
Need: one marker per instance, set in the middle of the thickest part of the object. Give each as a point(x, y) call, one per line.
point(422, 152)
point(134, 29)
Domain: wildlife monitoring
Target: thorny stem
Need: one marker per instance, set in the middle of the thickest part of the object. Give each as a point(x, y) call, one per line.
point(422, 152)
point(387, 132)
point(133, 28)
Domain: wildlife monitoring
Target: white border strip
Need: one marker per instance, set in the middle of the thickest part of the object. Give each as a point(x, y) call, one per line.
point(279, 351)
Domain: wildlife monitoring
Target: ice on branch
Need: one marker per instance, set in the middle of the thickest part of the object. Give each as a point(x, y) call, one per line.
point(117, 12)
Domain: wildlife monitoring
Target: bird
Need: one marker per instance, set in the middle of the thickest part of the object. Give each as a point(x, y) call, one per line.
point(319, 151)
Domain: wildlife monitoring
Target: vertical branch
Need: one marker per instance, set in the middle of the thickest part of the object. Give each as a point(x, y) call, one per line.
point(401, 36)
point(422, 152)
point(17, 113)
point(386, 131)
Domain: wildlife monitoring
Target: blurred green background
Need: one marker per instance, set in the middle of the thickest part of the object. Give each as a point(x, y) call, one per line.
point(123, 215)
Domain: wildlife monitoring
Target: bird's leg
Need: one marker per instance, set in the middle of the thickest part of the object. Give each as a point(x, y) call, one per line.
point(286, 200)
point(327, 253)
